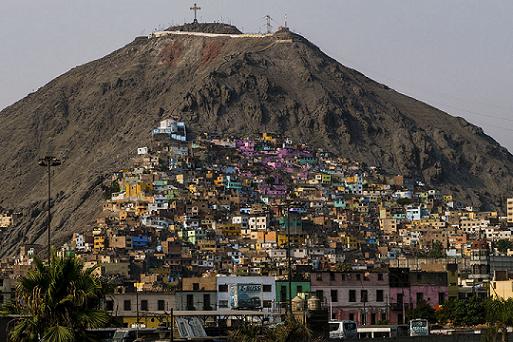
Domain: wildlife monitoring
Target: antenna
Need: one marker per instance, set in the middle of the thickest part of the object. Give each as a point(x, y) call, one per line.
point(269, 26)
point(286, 25)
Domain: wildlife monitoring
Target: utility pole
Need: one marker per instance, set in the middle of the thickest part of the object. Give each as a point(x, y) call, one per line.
point(172, 335)
point(48, 162)
point(195, 9)
point(138, 287)
point(137, 310)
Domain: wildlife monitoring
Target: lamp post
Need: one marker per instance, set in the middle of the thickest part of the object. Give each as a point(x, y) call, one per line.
point(49, 162)
point(289, 261)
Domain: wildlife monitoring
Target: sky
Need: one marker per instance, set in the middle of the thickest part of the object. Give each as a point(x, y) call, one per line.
point(456, 55)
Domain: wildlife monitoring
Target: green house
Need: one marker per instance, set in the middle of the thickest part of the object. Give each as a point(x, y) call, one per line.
point(282, 290)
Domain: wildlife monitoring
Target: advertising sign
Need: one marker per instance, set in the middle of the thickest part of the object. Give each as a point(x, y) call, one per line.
point(245, 296)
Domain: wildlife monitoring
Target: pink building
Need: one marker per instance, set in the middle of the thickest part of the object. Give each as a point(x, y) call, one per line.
point(408, 288)
point(357, 295)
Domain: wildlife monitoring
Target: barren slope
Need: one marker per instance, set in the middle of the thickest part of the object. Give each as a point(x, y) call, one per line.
point(97, 113)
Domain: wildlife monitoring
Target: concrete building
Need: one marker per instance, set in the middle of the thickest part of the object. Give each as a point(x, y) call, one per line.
point(7, 290)
point(154, 307)
point(358, 296)
point(197, 293)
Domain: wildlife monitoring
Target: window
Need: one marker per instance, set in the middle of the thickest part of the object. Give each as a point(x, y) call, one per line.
point(267, 288)
point(379, 296)
point(127, 305)
point(267, 304)
point(380, 276)
point(195, 286)
point(400, 298)
point(334, 295)
point(283, 293)
point(161, 305)
point(358, 276)
point(343, 276)
point(223, 303)
point(352, 295)
point(190, 302)
point(420, 297)
point(144, 305)
point(351, 316)
point(109, 305)
point(364, 296)
point(332, 276)
point(206, 302)
point(441, 297)
point(318, 276)
point(373, 318)
point(223, 288)
point(320, 294)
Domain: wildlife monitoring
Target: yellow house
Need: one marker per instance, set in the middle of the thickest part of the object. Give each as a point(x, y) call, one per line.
point(267, 137)
point(219, 181)
point(122, 215)
point(501, 289)
point(229, 230)
point(136, 190)
point(99, 242)
point(193, 188)
point(447, 198)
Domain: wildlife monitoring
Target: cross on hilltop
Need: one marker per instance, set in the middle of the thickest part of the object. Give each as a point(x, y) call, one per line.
point(195, 8)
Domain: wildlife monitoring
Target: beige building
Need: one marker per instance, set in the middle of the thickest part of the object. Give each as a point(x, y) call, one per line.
point(386, 222)
point(510, 210)
point(6, 220)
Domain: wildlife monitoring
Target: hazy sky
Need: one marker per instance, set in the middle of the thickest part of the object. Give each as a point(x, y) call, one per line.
point(454, 54)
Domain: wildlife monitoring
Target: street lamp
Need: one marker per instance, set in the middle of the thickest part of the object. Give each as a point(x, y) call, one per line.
point(49, 162)
point(289, 261)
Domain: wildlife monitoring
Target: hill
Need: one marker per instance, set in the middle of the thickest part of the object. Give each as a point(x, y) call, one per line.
point(96, 114)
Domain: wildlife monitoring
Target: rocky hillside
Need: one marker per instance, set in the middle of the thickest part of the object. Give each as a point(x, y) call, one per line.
point(96, 114)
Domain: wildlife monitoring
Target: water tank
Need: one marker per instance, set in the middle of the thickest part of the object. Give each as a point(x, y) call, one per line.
point(298, 304)
point(314, 303)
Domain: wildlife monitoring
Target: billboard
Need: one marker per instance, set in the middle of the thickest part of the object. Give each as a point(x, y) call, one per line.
point(245, 296)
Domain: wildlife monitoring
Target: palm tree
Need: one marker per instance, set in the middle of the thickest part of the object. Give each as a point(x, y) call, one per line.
point(499, 313)
point(57, 302)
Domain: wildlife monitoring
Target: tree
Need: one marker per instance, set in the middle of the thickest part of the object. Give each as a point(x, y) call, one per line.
point(499, 314)
point(423, 310)
point(57, 302)
point(462, 312)
point(504, 245)
point(437, 250)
